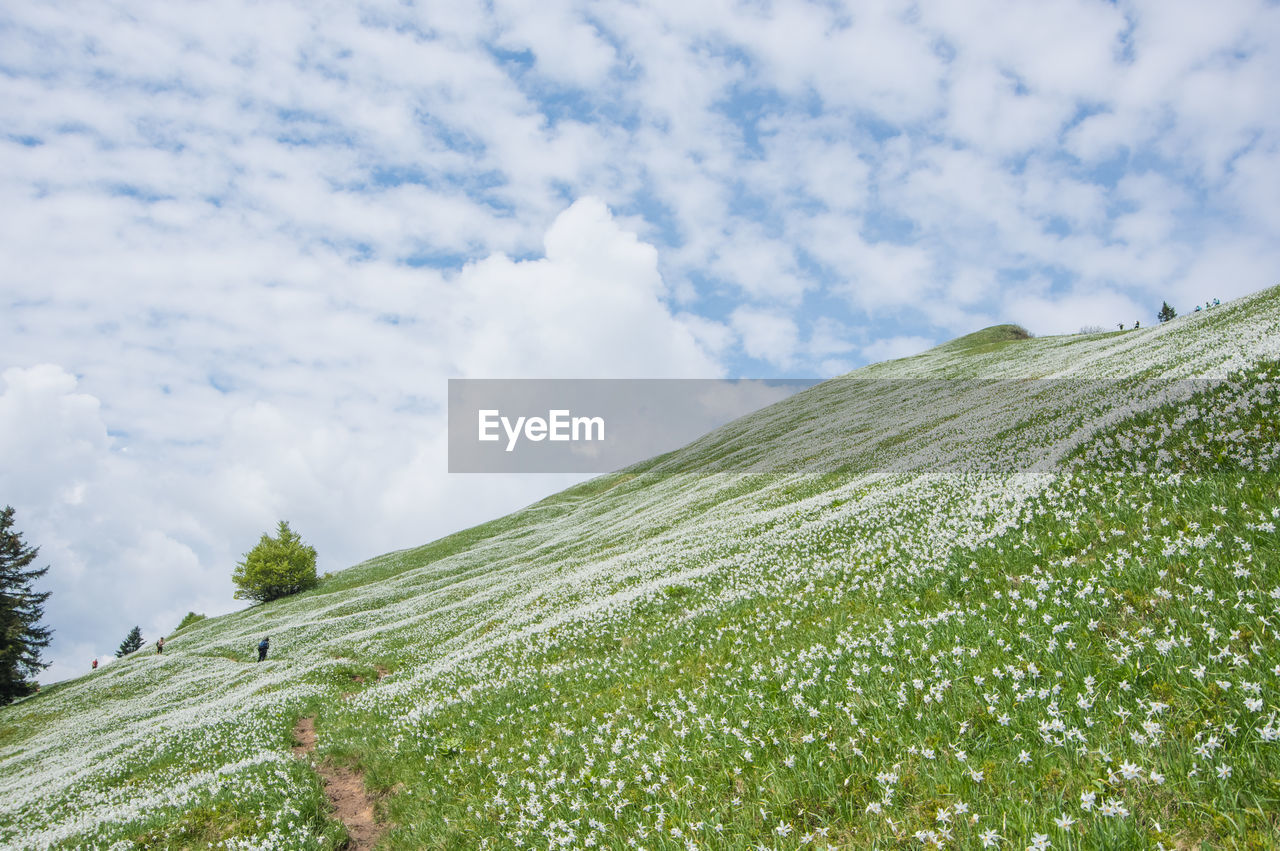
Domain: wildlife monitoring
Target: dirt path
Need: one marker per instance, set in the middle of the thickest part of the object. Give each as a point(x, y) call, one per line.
point(344, 789)
point(305, 732)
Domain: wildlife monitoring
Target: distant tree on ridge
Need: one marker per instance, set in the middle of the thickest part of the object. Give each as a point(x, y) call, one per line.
point(1166, 312)
point(131, 642)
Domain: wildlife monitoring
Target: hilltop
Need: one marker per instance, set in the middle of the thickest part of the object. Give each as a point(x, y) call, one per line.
point(933, 601)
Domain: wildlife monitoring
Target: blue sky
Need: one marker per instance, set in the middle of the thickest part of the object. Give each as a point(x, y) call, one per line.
point(244, 245)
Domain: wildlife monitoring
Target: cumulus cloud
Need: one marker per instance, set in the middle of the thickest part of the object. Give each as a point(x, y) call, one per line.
point(51, 437)
point(592, 307)
point(891, 348)
point(1060, 314)
point(766, 335)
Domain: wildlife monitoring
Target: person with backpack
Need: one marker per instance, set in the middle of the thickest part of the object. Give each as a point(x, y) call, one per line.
point(160, 645)
point(262, 648)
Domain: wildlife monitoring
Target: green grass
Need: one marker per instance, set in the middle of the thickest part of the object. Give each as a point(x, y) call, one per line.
point(990, 339)
point(654, 668)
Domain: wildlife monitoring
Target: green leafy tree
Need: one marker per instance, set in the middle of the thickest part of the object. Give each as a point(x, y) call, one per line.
point(1166, 312)
point(131, 642)
point(21, 636)
point(276, 567)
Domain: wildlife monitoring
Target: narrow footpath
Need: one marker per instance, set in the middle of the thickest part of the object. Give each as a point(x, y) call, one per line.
point(344, 789)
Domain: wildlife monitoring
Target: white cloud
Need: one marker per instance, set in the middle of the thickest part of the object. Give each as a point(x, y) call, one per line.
point(763, 267)
point(891, 348)
point(1155, 203)
point(714, 338)
point(828, 337)
point(1251, 184)
point(1048, 193)
point(870, 57)
point(1068, 313)
point(766, 335)
point(808, 158)
point(591, 308)
point(881, 275)
point(1055, 48)
point(1231, 265)
point(51, 437)
point(566, 47)
point(987, 110)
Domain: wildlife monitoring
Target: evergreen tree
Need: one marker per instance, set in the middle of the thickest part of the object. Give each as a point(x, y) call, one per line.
point(276, 567)
point(21, 636)
point(131, 642)
point(1166, 313)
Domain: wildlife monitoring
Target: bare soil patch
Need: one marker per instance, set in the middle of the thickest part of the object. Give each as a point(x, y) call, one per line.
point(351, 804)
point(305, 732)
point(345, 790)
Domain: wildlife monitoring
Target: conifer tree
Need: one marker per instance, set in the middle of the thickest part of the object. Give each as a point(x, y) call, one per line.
point(1166, 312)
point(131, 642)
point(21, 608)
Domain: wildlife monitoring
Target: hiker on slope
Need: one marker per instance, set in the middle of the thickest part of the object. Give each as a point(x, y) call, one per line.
point(262, 648)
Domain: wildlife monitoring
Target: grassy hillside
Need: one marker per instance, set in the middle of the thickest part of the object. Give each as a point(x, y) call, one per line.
point(892, 610)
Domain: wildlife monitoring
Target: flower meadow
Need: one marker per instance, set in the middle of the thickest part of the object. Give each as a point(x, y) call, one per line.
point(932, 604)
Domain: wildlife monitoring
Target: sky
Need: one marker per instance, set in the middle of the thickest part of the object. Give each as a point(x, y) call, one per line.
point(244, 245)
